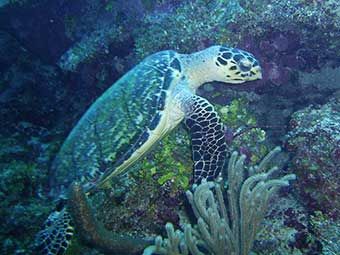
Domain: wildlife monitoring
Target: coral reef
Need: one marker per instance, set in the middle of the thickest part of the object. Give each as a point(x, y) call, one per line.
point(89, 46)
point(325, 81)
point(286, 228)
point(242, 130)
point(170, 29)
point(314, 141)
point(289, 36)
point(297, 44)
point(94, 234)
point(327, 231)
point(220, 230)
point(24, 160)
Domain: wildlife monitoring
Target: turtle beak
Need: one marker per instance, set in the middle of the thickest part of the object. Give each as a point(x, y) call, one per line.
point(258, 71)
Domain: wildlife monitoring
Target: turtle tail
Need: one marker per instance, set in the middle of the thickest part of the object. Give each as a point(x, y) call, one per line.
point(56, 234)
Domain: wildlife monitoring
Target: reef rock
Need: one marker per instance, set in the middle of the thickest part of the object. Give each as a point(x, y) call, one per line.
point(314, 141)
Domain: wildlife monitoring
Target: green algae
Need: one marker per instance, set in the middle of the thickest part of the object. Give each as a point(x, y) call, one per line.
point(247, 135)
point(170, 161)
point(236, 113)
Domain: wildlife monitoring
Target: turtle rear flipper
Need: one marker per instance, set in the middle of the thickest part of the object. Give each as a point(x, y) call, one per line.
point(56, 234)
point(207, 135)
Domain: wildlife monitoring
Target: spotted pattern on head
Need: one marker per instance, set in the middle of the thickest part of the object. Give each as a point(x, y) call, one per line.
point(240, 65)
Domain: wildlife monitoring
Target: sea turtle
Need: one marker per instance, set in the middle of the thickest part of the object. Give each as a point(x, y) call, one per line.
point(137, 111)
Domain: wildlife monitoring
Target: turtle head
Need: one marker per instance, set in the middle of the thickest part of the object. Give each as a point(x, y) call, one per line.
point(236, 66)
point(220, 63)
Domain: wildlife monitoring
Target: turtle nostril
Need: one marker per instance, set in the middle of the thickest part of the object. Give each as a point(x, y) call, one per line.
point(257, 69)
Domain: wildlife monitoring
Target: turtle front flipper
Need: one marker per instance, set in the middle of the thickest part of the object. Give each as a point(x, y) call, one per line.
point(56, 234)
point(207, 135)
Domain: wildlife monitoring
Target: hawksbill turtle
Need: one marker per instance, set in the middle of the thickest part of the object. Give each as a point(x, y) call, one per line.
point(137, 111)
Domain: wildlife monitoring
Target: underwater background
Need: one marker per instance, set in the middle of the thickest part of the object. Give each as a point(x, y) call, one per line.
point(57, 57)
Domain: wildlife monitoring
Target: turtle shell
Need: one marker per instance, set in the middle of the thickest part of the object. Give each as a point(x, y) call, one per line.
point(117, 123)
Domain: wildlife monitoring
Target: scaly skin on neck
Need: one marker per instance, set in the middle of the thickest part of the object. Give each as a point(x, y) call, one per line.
point(199, 67)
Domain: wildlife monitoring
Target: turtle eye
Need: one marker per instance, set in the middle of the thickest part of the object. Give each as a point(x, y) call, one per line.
point(245, 65)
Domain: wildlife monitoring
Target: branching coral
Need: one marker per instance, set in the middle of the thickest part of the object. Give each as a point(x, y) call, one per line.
point(225, 229)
